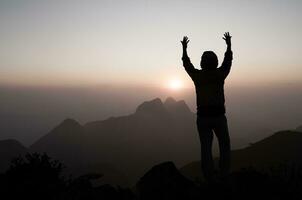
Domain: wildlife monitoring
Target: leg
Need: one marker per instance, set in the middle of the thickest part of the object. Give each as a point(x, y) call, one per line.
point(222, 134)
point(206, 139)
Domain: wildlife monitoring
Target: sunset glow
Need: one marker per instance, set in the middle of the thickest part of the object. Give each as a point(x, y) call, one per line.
point(115, 42)
point(175, 84)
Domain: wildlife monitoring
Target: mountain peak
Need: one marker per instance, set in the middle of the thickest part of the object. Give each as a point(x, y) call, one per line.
point(154, 106)
point(70, 122)
point(69, 126)
point(169, 101)
point(68, 131)
point(171, 106)
point(176, 107)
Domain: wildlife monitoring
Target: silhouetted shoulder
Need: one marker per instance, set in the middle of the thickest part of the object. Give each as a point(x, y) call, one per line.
point(189, 67)
point(225, 68)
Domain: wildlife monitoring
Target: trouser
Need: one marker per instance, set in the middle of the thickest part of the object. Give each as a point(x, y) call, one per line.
point(206, 126)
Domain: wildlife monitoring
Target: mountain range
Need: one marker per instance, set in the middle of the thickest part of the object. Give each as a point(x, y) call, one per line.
point(123, 148)
point(157, 131)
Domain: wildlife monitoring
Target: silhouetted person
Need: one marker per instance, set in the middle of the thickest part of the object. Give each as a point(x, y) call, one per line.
point(209, 86)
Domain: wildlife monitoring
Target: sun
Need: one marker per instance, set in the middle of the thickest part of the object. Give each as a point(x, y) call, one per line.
point(175, 84)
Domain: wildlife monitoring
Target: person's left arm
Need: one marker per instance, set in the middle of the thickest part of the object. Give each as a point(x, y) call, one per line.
point(228, 56)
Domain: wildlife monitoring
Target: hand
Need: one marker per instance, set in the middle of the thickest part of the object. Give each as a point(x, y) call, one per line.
point(185, 42)
point(227, 38)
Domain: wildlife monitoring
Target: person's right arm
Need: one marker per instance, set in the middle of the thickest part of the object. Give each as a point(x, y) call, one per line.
point(190, 69)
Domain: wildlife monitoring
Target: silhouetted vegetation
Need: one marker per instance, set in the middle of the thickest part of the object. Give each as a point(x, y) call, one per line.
point(37, 176)
point(34, 176)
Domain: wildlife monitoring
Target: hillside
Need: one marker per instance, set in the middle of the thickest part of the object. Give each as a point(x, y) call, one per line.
point(299, 128)
point(284, 147)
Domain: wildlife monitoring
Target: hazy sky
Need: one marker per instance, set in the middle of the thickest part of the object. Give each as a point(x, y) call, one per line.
point(83, 42)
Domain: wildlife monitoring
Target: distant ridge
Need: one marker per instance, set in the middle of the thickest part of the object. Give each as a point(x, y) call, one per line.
point(64, 131)
point(64, 142)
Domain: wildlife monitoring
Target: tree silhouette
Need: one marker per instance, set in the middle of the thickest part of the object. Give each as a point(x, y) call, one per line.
point(37, 176)
point(34, 176)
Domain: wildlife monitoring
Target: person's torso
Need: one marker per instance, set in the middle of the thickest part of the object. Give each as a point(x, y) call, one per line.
point(209, 86)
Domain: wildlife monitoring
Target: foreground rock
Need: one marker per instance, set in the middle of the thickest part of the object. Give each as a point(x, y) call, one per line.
point(164, 181)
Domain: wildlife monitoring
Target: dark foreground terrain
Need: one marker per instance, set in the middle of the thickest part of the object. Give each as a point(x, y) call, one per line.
point(37, 176)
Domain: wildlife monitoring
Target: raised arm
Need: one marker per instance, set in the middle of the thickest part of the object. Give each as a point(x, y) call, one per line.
point(228, 56)
point(185, 58)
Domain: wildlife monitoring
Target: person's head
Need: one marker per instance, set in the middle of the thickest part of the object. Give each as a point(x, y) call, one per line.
point(209, 60)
